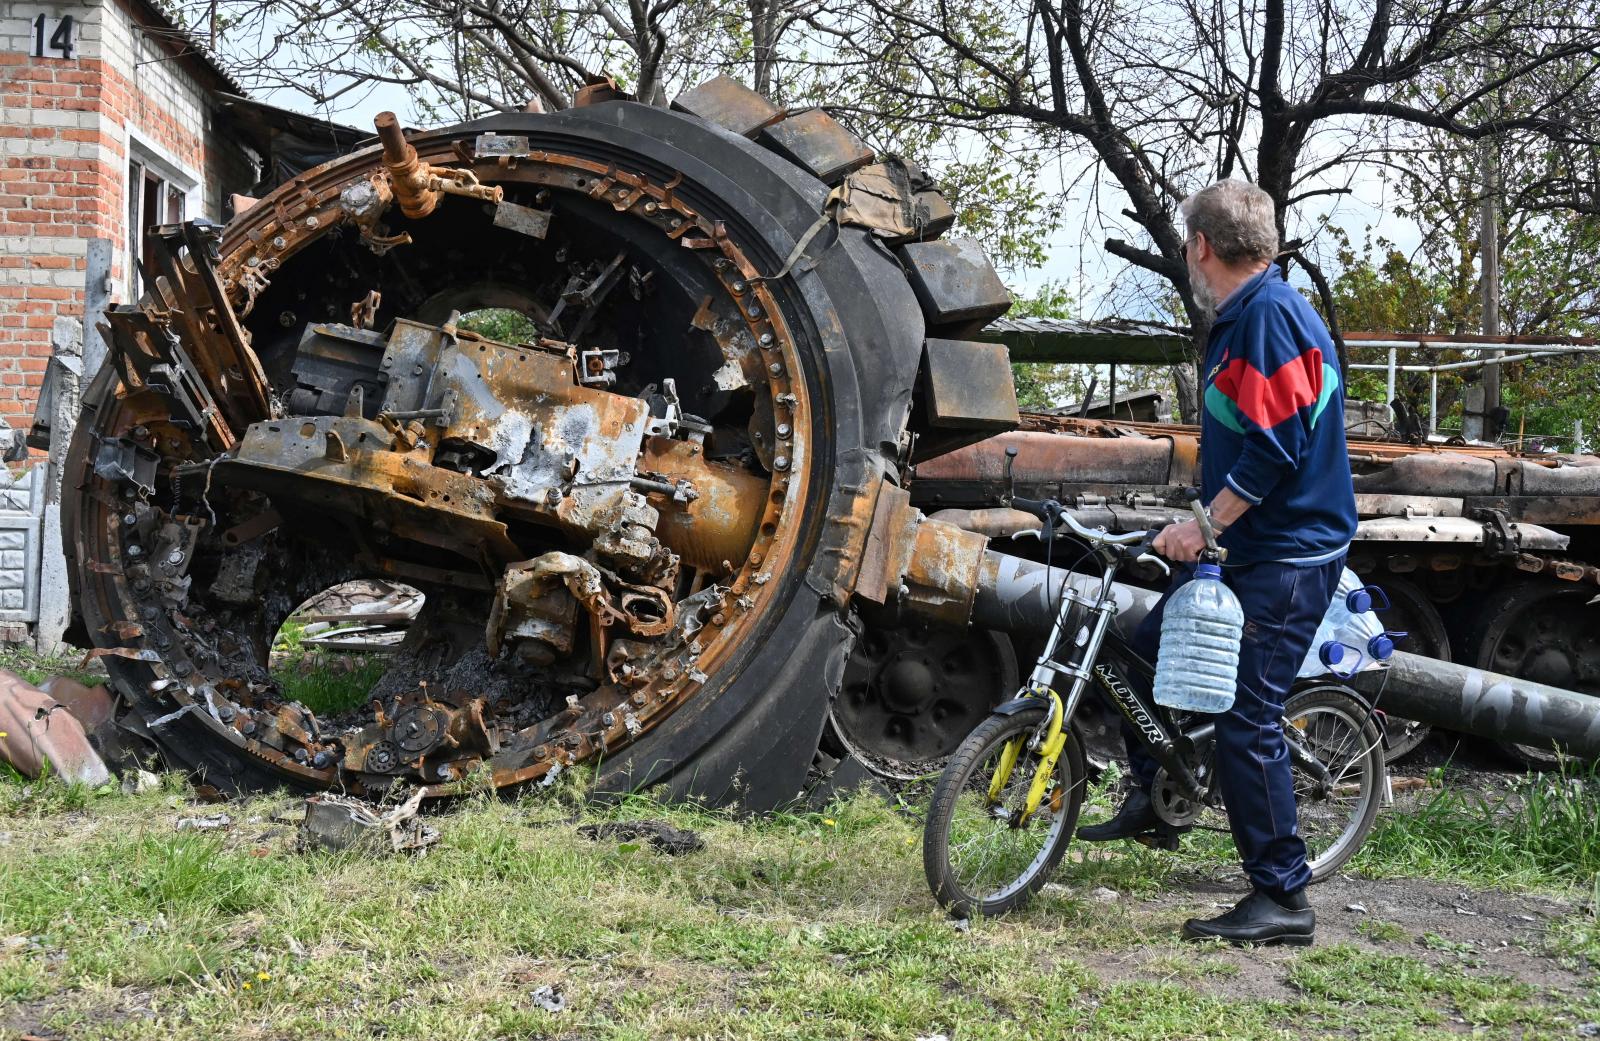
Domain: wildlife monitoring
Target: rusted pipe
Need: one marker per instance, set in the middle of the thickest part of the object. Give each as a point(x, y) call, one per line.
point(406, 172)
point(35, 729)
point(998, 523)
point(1475, 701)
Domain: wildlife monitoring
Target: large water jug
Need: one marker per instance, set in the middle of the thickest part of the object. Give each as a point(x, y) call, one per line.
point(1198, 668)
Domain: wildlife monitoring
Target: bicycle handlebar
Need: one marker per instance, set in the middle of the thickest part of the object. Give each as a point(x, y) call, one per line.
point(1052, 512)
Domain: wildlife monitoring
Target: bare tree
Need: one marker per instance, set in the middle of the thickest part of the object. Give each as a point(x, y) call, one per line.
point(1164, 96)
point(462, 58)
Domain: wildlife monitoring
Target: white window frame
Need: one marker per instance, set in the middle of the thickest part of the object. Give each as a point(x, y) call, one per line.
point(158, 161)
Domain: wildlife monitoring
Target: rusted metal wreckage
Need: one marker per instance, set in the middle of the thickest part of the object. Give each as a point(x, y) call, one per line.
point(649, 538)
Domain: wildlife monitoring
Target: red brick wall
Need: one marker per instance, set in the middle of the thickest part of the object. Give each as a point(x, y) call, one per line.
point(63, 164)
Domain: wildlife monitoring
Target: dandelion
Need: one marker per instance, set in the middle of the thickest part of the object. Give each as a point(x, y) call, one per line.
point(910, 841)
point(263, 976)
point(830, 822)
point(246, 984)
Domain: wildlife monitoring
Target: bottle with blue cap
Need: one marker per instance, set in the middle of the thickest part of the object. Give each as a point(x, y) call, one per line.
point(1198, 666)
point(1351, 638)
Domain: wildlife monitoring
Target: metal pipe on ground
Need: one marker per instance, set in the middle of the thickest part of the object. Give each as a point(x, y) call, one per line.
point(1020, 596)
point(1487, 704)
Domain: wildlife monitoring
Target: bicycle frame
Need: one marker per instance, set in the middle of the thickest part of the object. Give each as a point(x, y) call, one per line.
point(1107, 659)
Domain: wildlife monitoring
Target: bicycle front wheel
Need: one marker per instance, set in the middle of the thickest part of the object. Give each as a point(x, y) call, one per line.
point(984, 855)
point(1337, 811)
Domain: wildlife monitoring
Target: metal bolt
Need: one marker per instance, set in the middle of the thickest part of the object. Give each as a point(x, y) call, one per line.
point(444, 771)
point(553, 496)
point(287, 319)
point(278, 242)
point(783, 430)
point(183, 668)
point(300, 754)
point(249, 727)
point(639, 698)
point(128, 518)
point(573, 740)
point(322, 759)
point(775, 369)
point(737, 287)
point(608, 719)
point(135, 551)
point(719, 618)
point(541, 752)
point(669, 674)
point(755, 560)
point(650, 207)
point(766, 340)
point(312, 222)
point(780, 463)
point(677, 222)
point(755, 311)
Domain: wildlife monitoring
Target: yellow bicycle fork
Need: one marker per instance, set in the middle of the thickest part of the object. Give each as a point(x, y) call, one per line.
point(1049, 751)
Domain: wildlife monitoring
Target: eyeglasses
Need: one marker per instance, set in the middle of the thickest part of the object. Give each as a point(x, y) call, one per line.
point(1184, 249)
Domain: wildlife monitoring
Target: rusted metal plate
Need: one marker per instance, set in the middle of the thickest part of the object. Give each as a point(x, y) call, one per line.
point(729, 104)
point(815, 141)
point(524, 220)
point(954, 281)
point(969, 386)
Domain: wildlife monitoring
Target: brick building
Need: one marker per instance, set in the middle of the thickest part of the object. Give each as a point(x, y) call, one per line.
point(109, 121)
point(112, 119)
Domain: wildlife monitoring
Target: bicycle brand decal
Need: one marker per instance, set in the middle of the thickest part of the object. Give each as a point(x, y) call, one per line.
point(1129, 704)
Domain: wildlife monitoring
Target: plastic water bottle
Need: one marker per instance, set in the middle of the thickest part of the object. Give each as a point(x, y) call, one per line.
point(1350, 638)
point(1198, 668)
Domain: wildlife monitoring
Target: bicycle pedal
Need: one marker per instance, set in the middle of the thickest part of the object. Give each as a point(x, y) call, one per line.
point(1158, 840)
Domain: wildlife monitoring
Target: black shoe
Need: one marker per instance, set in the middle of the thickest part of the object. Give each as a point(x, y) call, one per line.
point(1134, 818)
point(1257, 920)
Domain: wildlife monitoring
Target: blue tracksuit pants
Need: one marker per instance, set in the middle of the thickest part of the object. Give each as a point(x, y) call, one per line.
point(1283, 605)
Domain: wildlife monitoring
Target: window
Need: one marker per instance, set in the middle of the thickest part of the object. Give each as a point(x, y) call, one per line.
point(152, 200)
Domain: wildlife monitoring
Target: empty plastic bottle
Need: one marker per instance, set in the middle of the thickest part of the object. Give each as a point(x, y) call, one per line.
point(1350, 637)
point(1198, 668)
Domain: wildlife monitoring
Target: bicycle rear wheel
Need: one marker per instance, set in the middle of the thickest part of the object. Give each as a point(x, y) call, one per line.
point(1336, 813)
point(979, 855)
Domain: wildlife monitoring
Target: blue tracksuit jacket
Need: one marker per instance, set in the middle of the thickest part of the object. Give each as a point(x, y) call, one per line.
point(1273, 427)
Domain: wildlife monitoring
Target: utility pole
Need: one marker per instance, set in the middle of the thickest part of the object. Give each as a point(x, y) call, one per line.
point(1489, 251)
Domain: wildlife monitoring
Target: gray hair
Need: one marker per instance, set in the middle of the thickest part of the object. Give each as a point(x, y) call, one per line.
point(1237, 219)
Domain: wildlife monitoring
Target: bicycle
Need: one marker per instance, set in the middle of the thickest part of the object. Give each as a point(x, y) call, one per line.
point(1006, 805)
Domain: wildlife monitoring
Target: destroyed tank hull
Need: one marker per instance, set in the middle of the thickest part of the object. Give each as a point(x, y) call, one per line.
point(637, 534)
point(650, 533)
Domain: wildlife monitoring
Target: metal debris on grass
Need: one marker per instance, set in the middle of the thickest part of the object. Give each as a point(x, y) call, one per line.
point(661, 835)
point(338, 822)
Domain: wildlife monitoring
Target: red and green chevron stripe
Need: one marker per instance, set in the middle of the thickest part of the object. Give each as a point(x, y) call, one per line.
point(1242, 390)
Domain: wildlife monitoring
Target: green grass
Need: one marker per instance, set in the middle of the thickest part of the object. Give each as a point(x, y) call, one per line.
point(1544, 829)
point(309, 676)
point(36, 668)
point(799, 925)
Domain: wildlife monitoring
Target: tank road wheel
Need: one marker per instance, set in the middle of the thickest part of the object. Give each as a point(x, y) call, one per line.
point(636, 529)
point(1411, 612)
point(1543, 631)
point(910, 695)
